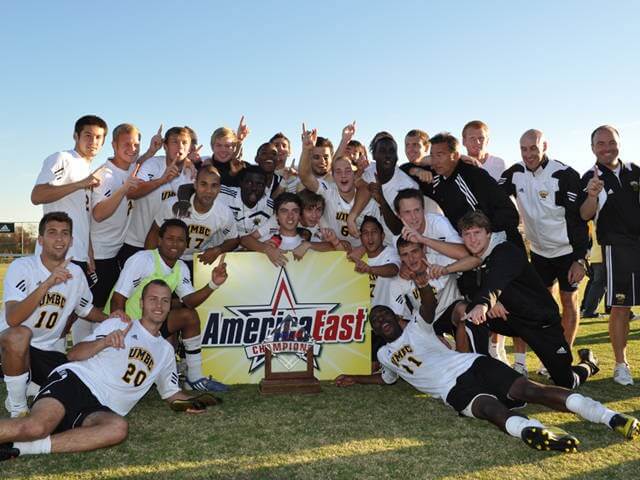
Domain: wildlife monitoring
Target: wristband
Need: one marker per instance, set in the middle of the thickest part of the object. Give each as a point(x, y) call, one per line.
point(213, 285)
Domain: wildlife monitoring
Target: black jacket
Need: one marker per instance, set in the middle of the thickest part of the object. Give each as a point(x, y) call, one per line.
point(506, 275)
point(471, 188)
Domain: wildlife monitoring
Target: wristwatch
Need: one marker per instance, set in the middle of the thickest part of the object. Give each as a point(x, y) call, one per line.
point(583, 263)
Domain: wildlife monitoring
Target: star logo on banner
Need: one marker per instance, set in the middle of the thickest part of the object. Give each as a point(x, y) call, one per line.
point(283, 303)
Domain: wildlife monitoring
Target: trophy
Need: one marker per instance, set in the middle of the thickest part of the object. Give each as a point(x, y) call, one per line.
point(289, 344)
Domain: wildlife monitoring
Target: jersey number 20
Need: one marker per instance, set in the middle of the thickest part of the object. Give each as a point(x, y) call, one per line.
point(138, 377)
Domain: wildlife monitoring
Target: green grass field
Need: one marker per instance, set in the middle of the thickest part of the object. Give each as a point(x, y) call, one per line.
point(361, 432)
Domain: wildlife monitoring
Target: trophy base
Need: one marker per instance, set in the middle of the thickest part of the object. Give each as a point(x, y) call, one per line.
point(278, 386)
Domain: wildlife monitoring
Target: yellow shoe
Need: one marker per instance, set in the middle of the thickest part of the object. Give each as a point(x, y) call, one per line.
point(625, 425)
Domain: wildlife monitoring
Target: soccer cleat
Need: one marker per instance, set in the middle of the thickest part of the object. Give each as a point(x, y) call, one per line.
point(521, 369)
point(588, 358)
point(622, 374)
point(625, 425)
point(8, 451)
point(549, 438)
point(196, 403)
point(206, 384)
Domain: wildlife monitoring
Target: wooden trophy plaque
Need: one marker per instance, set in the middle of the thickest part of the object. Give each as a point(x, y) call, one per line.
point(302, 381)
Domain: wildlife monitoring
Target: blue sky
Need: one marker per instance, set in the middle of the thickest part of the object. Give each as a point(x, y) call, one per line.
point(563, 67)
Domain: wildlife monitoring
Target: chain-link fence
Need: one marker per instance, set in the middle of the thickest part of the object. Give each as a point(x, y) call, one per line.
point(17, 239)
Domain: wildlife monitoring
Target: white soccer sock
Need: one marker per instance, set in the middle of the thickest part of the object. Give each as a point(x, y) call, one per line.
point(520, 358)
point(589, 409)
point(193, 359)
point(514, 425)
point(17, 393)
point(35, 447)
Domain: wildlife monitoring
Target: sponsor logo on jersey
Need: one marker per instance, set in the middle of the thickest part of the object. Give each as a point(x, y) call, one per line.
point(250, 325)
point(53, 298)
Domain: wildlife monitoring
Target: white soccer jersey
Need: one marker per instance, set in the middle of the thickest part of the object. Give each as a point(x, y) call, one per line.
point(248, 219)
point(63, 168)
point(400, 295)
point(494, 166)
point(287, 244)
point(337, 209)
point(147, 207)
point(142, 264)
point(108, 235)
point(270, 228)
point(206, 230)
point(399, 181)
point(48, 320)
point(387, 256)
point(438, 227)
point(420, 358)
point(119, 377)
point(403, 297)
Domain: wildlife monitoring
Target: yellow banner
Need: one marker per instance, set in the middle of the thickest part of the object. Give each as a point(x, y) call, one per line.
point(321, 294)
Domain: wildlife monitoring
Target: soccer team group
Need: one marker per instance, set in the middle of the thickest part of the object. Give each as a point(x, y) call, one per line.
point(438, 236)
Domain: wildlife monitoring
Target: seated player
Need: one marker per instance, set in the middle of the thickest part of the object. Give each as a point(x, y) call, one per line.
point(287, 238)
point(164, 263)
point(41, 293)
point(82, 404)
point(508, 297)
point(212, 228)
point(476, 385)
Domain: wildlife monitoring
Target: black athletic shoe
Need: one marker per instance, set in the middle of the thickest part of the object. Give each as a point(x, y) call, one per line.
point(625, 425)
point(548, 438)
point(587, 357)
point(7, 451)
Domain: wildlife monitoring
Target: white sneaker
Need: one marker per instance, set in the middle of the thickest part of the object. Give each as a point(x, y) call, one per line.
point(622, 374)
point(521, 369)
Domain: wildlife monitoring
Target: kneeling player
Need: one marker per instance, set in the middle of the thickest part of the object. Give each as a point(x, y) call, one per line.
point(81, 406)
point(164, 263)
point(476, 385)
point(41, 293)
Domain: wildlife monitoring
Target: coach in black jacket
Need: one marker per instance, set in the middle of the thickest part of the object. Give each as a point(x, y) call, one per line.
point(460, 188)
point(613, 190)
point(508, 296)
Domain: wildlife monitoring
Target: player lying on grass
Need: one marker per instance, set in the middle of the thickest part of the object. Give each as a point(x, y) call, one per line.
point(82, 405)
point(476, 385)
